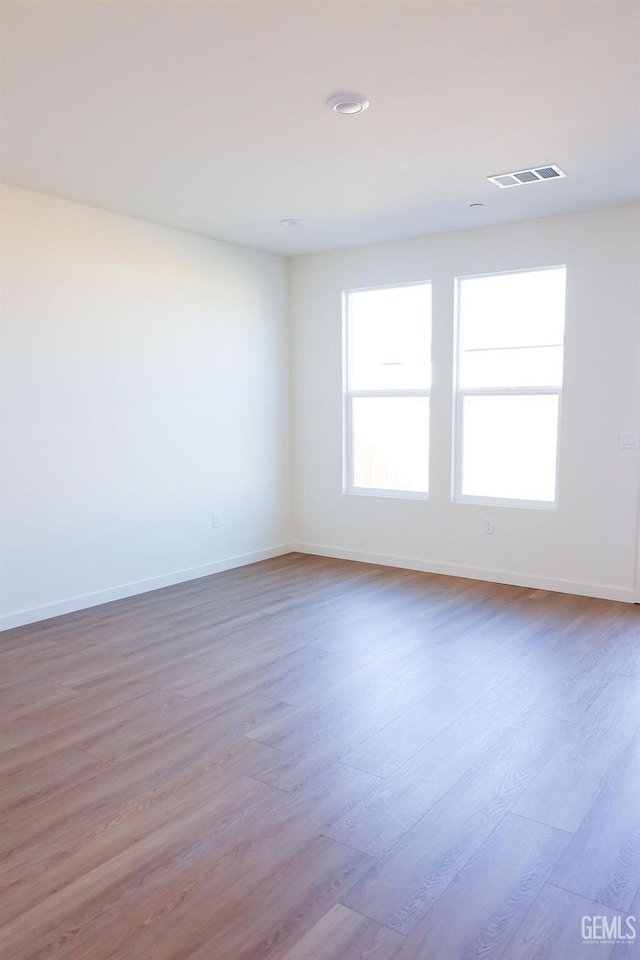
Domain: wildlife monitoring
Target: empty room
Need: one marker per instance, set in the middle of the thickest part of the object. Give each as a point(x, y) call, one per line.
point(320, 480)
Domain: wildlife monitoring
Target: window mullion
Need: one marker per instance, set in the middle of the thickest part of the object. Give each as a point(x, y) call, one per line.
point(534, 391)
point(389, 393)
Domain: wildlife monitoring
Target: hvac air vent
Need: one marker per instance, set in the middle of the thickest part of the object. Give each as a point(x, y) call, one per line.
point(533, 175)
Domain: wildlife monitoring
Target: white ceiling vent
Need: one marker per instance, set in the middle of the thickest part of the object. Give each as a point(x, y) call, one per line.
point(532, 175)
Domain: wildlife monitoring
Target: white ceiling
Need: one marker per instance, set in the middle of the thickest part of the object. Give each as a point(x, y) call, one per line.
point(211, 116)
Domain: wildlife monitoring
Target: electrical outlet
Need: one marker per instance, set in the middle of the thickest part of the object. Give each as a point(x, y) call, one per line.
point(628, 440)
point(487, 525)
point(216, 520)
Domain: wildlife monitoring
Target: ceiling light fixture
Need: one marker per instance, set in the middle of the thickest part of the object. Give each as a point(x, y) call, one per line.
point(290, 222)
point(347, 104)
point(472, 205)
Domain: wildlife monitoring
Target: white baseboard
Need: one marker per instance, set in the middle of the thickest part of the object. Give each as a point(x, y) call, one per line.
point(601, 591)
point(33, 615)
point(22, 617)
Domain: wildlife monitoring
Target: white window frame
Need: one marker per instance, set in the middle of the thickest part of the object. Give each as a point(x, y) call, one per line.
point(349, 395)
point(457, 496)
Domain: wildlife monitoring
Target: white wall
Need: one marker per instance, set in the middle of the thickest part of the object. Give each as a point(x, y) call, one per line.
point(589, 544)
point(145, 384)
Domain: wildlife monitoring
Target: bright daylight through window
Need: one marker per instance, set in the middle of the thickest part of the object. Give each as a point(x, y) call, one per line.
point(509, 382)
point(387, 385)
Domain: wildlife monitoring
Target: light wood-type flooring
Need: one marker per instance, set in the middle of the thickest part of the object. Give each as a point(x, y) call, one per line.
point(311, 759)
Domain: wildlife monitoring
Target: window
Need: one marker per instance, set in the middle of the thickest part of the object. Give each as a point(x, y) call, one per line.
point(509, 382)
point(387, 385)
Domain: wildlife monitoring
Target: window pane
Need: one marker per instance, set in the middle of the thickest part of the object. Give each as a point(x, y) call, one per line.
point(391, 443)
point(509, 447)
point(390, 338)
point(512, 309)
point(524, 367)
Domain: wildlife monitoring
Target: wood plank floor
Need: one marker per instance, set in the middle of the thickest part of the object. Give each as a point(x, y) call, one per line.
point(310, 759)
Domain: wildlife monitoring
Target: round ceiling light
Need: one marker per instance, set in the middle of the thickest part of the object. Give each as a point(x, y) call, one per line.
point(290, 222)
point(347, 103)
